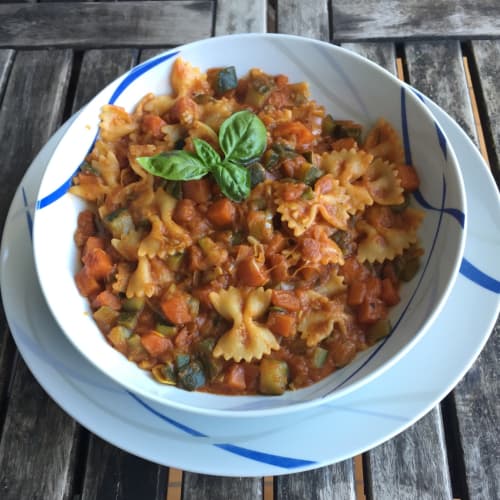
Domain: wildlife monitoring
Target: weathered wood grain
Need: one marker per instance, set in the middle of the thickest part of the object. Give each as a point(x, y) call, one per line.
point(112, 473)
point(411, 465)
point(332, 482)
point(98, 68)
point(38, 437)
point(437, 70)
point(383, 53)
point(240, 17)
point(476, 407)
point(106, 24)
point(486, 55)
point(310, 19)
point(397, 19)
point(196, 486)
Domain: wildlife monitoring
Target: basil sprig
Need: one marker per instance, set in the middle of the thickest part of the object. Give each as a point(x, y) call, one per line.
point(242, 138)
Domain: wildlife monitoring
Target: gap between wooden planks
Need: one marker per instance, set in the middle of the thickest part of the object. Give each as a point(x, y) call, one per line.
point(174, 488)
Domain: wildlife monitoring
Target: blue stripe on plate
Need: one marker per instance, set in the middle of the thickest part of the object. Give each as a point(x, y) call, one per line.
point(258, 456)
point(474, 274)
point(132, 75)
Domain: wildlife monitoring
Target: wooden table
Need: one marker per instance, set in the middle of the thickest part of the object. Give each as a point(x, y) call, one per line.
point(55, 56)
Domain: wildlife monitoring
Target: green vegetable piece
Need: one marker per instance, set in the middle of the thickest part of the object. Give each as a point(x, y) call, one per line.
point(182, 360)
point(409, 269)
point(273, 376)
point(174, 262)
point(233, 180)
point(118, 336)
point(327, 125)
point(165, 374)
point(308, 193)
point(339, 129)
point(135, 304)
point(257, 174)
point(191, 376)
point(277, 309)
point(312, 175)
point(166, 330)
point(242, 137)
point(119, 222)
point(174, 166)
point(105, 317)
point(284, 150)
point(128, 319)
point(225, 80)
point(87, 168)
point(319, 357)
point(136, 351)
point(174, 188)
point(378, 331)
point(213, 366)
point(270, 159)
point(237, 238)
point(342, 238)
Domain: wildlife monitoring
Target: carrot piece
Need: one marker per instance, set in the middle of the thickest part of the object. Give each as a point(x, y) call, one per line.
point(91, 243)
point(221, 213)
point(85, 227)
point(371, 310)
point(352, 270)
point(281, 323)
point(373, 287)
point(98, 263)
point(176, 309)
point(153, 124)
point(389, 293)
point(156, 344)
point(235, 377)
point(357, 293)
point(408, 177)
point(106, 298)
point(197, 190)
point(251, 273)
point(285, 300)
point(87, 285)
point(184, 211)
point(279, 268)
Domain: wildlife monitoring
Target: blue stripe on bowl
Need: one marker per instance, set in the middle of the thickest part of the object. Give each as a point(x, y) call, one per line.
point(258, 456)
point(131, 76)
point(477, 276)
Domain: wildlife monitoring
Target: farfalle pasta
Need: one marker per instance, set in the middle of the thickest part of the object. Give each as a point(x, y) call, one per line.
point(239, 239)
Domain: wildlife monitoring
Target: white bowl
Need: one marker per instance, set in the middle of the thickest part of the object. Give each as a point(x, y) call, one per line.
point(349, 87)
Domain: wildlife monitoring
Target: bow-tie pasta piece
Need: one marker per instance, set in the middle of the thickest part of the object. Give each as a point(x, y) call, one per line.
point(247, 339)
point(383, 183)
point(384, 142)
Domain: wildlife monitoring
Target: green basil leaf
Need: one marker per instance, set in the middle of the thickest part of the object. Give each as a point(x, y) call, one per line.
point(205, 152)
point(233, 180)
point(243, 137)
point(174, 166)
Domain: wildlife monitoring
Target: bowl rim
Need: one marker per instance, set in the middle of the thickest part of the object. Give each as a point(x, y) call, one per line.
point(289, 406)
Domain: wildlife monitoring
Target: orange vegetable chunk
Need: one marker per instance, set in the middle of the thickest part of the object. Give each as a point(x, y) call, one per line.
point(176, 309)
point(222, 213)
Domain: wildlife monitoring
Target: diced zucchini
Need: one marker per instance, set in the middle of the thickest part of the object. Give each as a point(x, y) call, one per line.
point(260, 225)
point(409, 268)
point(225, 80)
point(136, 351)
point(257, 174)
point(213, 366)
point(273, 376)
point(191, 375)
point(119, 222)
point(339, 129)
point(342, 238)
point(87, 168)
point(174, 262)
point(312, 175)
point(308, 193)
point(270, 159)
point(128, 319)
point(166, 330)
point(259, 89)
point(165, 374)
point(135, 304)
point(105, 317)
point(319, 357)
point(284, 150)
point(182, 360)
point(378, 331)
point(118, 336)
point(193, 305)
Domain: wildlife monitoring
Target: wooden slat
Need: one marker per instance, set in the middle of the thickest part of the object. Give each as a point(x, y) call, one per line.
point(309, 19)
point(112, 473)
point(332, 482)
point(197, 486)
point(486, 55)
point(404, 19)
point(107, 24)
point(38, 439)
point(240, 17)
point(411, 465)
point(437, 70)
point(414, 464)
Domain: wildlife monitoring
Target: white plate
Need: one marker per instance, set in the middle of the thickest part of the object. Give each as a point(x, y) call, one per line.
point(271, 446)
